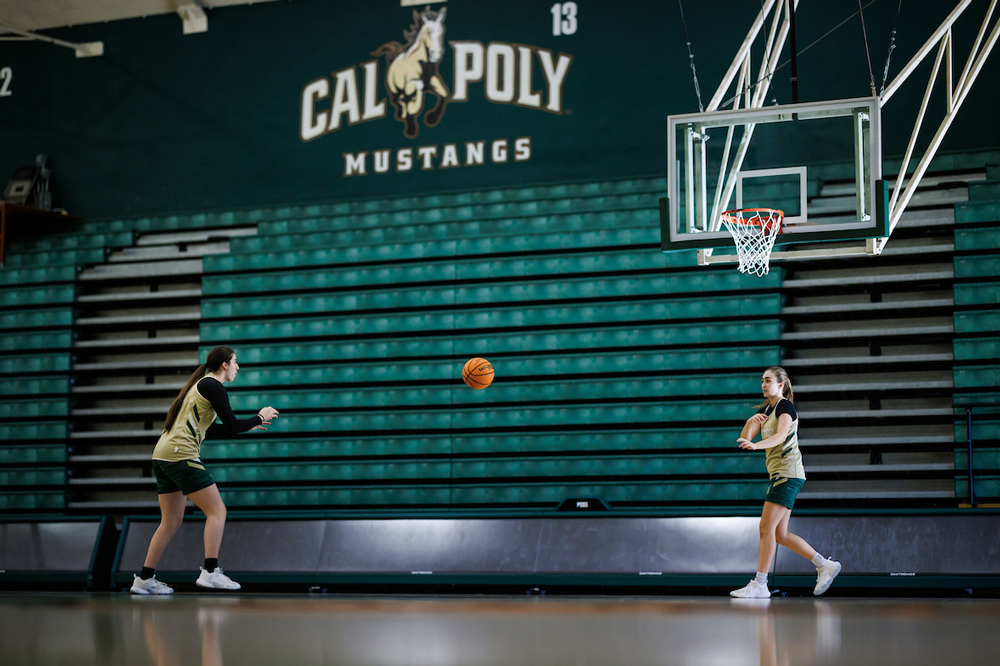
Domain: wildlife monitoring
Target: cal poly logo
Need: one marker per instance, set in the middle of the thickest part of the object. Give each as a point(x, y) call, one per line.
point(413, 71)
point(405, 76)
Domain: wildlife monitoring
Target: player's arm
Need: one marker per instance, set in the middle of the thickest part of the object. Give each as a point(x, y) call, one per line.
point(752, 427)
point(780, 433)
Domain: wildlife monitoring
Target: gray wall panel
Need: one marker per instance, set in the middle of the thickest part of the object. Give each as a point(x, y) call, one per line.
point(942, 544)
point(47, 546)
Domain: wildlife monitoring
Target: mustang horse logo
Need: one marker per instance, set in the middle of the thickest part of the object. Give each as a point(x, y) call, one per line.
point(413, 70)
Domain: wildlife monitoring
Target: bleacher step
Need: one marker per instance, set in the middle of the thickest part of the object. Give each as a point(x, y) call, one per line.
point(114, 481)
point(144, 296)
point(863, 280)
point(836, 308)
point(195, 236)
point(152, 410)
point(867, 333)
point(128, 388)
point(167, 252)
point(869, 387)
point(812, 362)
point(191, 362)
point(126, 320)
point(115, 434)
point(138, 342)
point(142, 270)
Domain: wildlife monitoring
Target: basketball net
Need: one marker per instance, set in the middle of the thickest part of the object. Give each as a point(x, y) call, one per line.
point(754, 230)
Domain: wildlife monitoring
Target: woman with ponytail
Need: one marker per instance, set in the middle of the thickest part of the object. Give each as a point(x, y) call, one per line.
point(180, 472)
point(778, 425)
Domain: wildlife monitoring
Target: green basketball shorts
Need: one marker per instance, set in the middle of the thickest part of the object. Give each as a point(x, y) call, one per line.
point(783, 491)
point(187, 476)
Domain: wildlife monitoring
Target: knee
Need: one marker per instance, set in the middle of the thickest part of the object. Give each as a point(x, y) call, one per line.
point(218, 513)
point(171, 524)
point(766, 531)
point(781, 537)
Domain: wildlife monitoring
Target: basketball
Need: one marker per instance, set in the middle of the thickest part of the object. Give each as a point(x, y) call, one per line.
point(477, 373)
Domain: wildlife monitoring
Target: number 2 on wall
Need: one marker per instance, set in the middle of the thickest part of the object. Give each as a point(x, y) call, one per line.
point(563, 18)
point(6, 74)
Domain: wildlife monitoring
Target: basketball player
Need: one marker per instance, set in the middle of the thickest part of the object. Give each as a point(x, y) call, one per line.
point(778, 424)
point(179, 471)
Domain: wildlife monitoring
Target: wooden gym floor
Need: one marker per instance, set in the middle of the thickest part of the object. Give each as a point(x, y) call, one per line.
point(283, 630)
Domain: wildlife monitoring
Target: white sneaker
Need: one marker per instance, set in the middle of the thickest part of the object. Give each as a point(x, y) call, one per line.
point(753, 590)
point(825, 573)
point(216, 580)
point(149, 586)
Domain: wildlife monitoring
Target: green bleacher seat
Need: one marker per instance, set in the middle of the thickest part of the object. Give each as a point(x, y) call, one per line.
point(459, 396)
point(533, 366)
point(621, 260)
point(644, 312)
point(272, 446)
point(983, 458)
point(974, 212)
point(38, 430)
point(639, 415)
point(458, 245)
point(987, 485)
point(20, 409)
point(31, 501)
point(13, 454)
point(982, 321)
point(988, 191)
point(977, 293)
point(604, 205)
point(21, 276)
point(33, 363)
point(502, 293)
point(93, 237)
point(976, 348)
point(28, 296)
point(17, 386)
point(36, 340)
point(41, 318)
point(473, 343)
point(977, 266)
point(970, 376)
point(32, 476)
point(44, 258)
point(977, 239)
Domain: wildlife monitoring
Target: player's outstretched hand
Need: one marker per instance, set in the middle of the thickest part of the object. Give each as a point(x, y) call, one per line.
point(267, 414)
point(746, 444)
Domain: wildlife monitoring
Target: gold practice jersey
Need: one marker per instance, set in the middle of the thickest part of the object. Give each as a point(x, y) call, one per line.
point(196, 422)
point(785, 459)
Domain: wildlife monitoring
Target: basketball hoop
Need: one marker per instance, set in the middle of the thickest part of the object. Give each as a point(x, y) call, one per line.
point(754, 230)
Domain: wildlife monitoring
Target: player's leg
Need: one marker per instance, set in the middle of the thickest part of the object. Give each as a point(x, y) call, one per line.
point(826, 570)
point(210, 502)
point(770, 518)
point(793, 541)
point(171, 516)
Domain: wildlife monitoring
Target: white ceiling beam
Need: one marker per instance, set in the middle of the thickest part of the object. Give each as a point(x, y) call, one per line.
point(83, 50)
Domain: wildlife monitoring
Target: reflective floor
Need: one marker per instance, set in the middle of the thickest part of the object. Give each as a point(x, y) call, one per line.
point(324, 629)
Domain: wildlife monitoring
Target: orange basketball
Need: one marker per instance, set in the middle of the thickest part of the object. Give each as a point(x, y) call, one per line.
point(477, 373)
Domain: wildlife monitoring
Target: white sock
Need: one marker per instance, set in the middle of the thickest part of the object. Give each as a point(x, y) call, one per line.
point(762, 578)
point(818, 560)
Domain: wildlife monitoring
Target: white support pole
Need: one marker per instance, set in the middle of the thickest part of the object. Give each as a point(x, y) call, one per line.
point(938, 34)
point(901, 179)
point(975, 46)
point(83, 50)
point(741, 54)
point(973, 67)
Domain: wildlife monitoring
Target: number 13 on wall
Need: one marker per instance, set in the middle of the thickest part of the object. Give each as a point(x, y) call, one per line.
point(563, 18)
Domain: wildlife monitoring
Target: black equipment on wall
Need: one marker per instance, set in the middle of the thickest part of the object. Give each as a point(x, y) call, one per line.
point(29, 186)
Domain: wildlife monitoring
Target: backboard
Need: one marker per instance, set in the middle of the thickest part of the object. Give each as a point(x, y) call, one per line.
point(819, 162)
